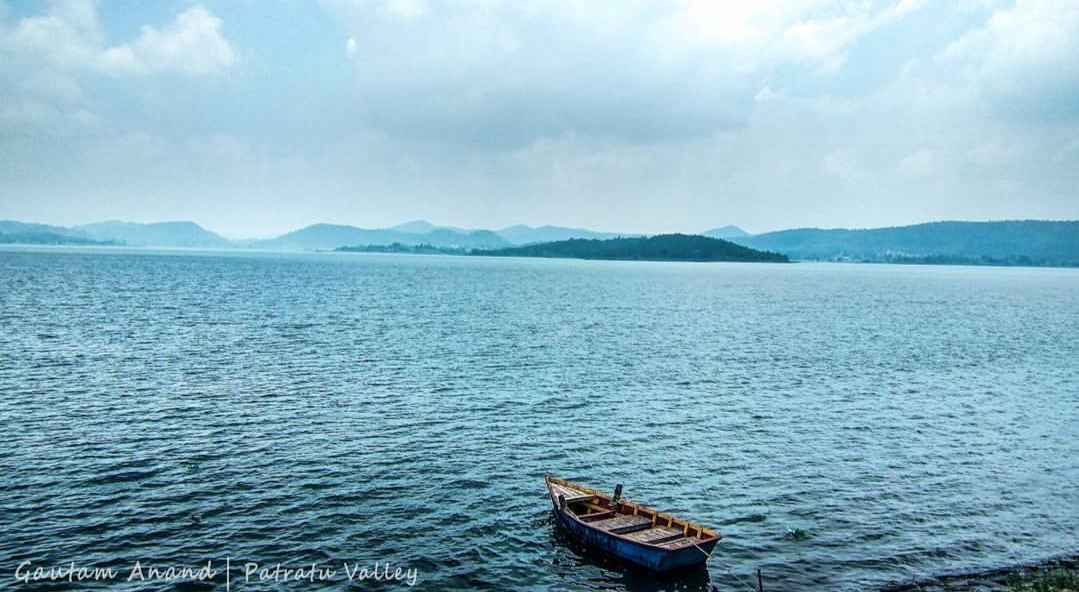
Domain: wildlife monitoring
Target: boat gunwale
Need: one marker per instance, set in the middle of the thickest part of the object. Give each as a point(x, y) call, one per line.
point(705, 535)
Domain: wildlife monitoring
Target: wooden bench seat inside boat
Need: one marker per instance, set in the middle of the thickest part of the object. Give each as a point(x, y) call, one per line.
point(623, 523)
point(596, 516)
point(656, 535)
point(678, 543)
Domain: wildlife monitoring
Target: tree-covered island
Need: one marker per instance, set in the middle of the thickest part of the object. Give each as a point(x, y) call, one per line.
point(663, 247)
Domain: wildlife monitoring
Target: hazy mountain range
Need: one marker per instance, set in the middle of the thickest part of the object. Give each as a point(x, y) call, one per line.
point(331, 236)
point(158, 234)
point(26, 232)
point(1023, 242)
point(314, 237)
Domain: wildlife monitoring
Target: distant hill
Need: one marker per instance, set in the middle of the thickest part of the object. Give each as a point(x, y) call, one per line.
point(423, 227)
point(12, 232)
point(11, 227)
point(1020, 242)
point(332, 236)
point(726, 232)
point(664, 247)
point(523, 235)
point(157, 234)
point(317, 236)
point(455, 239)
point(414, 227)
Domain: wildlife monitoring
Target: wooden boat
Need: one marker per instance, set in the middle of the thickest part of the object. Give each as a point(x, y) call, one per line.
point(630, 531)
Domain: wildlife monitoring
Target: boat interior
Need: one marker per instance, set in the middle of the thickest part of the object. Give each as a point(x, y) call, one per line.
point(628, 519)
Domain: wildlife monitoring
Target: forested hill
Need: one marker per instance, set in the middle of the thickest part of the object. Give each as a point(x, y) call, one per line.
point(664, 247)
point(1018, 242)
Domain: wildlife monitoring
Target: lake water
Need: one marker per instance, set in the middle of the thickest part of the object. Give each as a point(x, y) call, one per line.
point(844, 426)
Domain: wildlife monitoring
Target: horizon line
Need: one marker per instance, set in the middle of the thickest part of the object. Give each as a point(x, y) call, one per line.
point(236, 238)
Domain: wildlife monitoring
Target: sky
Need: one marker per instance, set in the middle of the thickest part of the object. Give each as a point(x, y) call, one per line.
point(253, 118)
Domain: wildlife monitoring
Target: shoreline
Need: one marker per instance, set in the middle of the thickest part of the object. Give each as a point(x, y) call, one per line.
point(1033, 575)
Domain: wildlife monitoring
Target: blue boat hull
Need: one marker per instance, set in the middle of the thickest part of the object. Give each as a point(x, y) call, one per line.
point(648, 556)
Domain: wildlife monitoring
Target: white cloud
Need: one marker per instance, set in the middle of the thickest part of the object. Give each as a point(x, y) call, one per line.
point(825, 39)
point(841, 164)
point(1068, 155)
point(993, 154)
point(907, 6)
point(1024, 55)
point(766, 94)
point(498, 71)
point(20, 114)
point(729, 23)
point(50, 85)
point(628, 114)
point(917, 164)
point(192, 44)
point(70, 38)
point(222, 149)
point(405, 9)
point(817, 32)
point(48, 62)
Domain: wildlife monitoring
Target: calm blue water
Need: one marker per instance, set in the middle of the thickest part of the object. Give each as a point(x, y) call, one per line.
point(845, 426)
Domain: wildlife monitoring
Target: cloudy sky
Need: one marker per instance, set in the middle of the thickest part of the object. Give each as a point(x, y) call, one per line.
point(253, 118)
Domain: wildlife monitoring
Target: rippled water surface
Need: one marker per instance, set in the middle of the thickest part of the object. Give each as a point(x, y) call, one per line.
point(845, 426)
